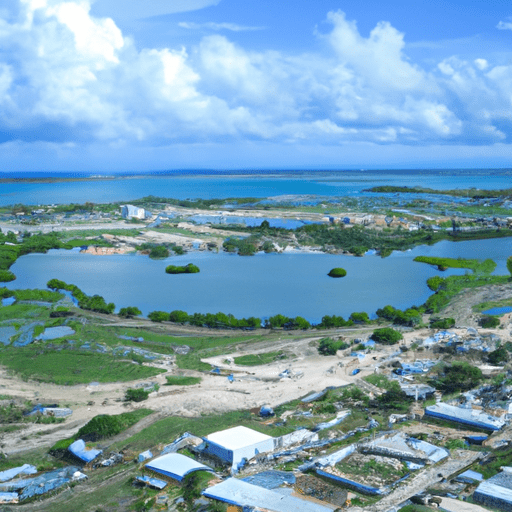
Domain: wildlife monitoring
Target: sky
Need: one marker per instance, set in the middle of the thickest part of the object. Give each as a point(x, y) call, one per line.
point(140, 85)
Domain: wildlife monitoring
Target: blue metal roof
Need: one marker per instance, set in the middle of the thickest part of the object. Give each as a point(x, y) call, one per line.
point(78, 449)
point(242, 494)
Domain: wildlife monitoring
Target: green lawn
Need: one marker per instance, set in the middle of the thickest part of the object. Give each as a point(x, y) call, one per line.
point(259, 359)
point(69, 367)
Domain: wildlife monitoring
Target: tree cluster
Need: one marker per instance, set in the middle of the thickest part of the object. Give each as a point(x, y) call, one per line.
point(410, 316)
point(185, 269)
point(387, 336)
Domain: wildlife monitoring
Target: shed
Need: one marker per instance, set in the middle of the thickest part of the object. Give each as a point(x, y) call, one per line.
point(496, 492)
point(242, 494)
point(151, 482)
point(176, 466)
point(465, 415)
point(79, 450)
point(237, 443)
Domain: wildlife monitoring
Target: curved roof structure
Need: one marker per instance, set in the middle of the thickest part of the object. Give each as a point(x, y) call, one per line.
point(176, 466)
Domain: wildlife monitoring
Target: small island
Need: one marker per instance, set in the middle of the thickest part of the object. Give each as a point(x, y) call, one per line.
point(337, 272)
point(186, 269)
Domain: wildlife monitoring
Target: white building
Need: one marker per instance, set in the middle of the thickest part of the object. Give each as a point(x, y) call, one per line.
point(238, 443)
point(129, 211)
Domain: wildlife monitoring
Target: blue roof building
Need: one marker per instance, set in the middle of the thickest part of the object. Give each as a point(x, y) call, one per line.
point(176, 466)
point(496, 492)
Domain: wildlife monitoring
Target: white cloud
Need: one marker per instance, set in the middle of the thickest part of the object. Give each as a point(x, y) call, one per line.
point(233, 27)
point(504, 25)
point(67, 76)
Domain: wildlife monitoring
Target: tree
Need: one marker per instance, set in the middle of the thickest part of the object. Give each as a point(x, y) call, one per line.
point(460, 376)
point(509, 265)
point(178, 317)
point(136, 394)
point(394, 398)
point(360, 318)
point(158, 316)
point(489, 322)
point(129, 312)
point(329, 347)
point(386, 335)
point(337, 272)
point(500, 355)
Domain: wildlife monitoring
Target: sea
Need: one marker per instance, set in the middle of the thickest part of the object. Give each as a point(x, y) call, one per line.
point(207, 184)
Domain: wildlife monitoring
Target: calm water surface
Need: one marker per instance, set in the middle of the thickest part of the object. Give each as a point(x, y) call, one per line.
point(262, 285)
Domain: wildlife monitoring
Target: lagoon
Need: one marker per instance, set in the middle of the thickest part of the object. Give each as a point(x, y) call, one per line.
point(292, 284)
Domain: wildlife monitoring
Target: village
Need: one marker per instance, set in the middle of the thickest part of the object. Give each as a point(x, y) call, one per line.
point(348, 449)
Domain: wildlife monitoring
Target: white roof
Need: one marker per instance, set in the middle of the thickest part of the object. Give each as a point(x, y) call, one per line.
point(175, 464)
point(237, 437)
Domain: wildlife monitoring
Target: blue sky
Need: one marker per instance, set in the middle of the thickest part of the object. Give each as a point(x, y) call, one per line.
point(105, 85)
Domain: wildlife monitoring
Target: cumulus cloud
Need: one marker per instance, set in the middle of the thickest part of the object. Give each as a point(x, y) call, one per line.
point(233, 27)
point(68, 77)
point(504, 25)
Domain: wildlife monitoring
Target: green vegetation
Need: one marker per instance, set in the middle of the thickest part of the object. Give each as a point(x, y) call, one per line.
point(477, 266)
point(379, 380)
point(441, 323)
point(284, 322)
point(460, 376)
point(509, 265)
point(337, 272)
point(489, 322)
point(394, 398)
point(435, 282)
point(179, 380)
point(243, 246)
point(260, 359)
point(500, 355)
point(6, 276)
point(69, 367)
point(95, 303)
point(158, 316)
point(136, 394)
point(186, 269)
point(386, 335)
point(329, 347)
point(468, 192)
point(410, 317)
point(129, 312)
point(104, 425)
point(329, 322)
point(360, 318)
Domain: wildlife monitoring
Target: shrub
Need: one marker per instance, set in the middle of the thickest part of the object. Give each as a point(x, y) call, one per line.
point(186, 269)
point(159, 252)
point(489, 322)
point(360, 318)
point(129, 312)
point(358, 250)
point(104, 425)
point(500, 355)
point(460, 376)
point(158, 316)
point(329, 347)
point(136, 394)
point(178, 317)
point(386, 335)
point(6, 276)
point(337, 272)
point(329, 322)
point(434, 283)
point(442, 323)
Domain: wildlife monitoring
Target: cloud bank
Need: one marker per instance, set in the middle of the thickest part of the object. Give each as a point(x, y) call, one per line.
point(67, 77)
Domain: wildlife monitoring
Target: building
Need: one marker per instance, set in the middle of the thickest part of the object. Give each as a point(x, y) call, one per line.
point(496, 492)
point(128, 211)
point(465, 415)
point(237, 443)
point(175, 466)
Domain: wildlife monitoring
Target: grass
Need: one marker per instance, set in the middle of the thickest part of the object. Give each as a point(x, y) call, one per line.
point(477, 266)
point(483, 306)
point(22, 312)
point(69, 367)
point(178, 380)
point(259, 359)
point(168, 429)
point(381, 381)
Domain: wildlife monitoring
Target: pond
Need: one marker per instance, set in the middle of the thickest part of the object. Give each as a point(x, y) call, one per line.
point(292, 284)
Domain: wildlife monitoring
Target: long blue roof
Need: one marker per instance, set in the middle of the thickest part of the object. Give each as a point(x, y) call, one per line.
point(176, 466)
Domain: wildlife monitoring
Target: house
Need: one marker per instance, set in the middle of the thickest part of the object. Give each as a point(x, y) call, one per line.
point(128, 211)
point(175, 466)
point(236, 444)
point(496, 493)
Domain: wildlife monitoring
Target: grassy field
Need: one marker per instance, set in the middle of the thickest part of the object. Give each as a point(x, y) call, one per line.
point(259, 359)
point(69, 367)
point(177, 380)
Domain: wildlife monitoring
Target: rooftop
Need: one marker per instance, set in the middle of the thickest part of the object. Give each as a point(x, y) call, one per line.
point(176, 466)
point(237, 437)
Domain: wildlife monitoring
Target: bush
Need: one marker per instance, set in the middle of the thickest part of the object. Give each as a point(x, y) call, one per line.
point(104, 425)
point(6, 276)
point(460, 376)
point(360, 318)
point(442, 323)
point(159, 252)
point(500, 355)
point(186, 269)
point(328, 322)
point(129, 312)
point(489, 322)
point(178, 317)
point(158, 316)
point(337, 272)
point(329, 347)
point(410, 317)
point(358, 250)
point(386, 335)
point(136, 395)
point(434, 283)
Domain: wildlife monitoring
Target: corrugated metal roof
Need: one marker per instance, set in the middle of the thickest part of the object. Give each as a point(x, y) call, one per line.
point(237, 437)
point(466, 415)
point(240, 493)
point(79, 449)
point(176, 466)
